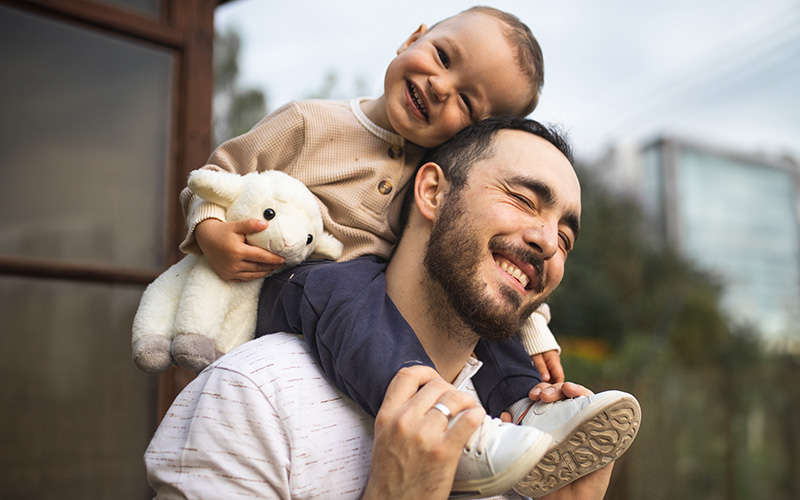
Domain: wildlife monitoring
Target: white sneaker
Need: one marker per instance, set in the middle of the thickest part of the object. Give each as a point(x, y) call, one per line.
point(588, 432)
point(496, 457)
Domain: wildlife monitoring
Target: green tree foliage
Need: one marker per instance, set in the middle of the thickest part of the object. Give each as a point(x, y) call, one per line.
point(719, 413)
point(236, 109)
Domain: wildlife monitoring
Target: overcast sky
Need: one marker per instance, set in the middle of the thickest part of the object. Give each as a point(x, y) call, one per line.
point(724, 72)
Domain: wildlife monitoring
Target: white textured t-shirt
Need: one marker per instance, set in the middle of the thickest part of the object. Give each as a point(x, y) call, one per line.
point(263, 422)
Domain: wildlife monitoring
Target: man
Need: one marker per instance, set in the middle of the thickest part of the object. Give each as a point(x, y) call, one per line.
point(263, 421)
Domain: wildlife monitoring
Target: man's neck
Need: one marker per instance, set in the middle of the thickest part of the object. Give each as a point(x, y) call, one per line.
point(439, 330)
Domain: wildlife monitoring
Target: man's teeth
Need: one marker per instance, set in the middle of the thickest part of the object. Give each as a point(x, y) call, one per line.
point(514, 272)
point(417, 100)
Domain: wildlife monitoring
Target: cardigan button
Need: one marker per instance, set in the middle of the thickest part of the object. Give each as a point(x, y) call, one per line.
point(385, 187)
point(395, 152)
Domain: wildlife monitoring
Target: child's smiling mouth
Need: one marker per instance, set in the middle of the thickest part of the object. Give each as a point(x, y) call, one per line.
point(418, 101)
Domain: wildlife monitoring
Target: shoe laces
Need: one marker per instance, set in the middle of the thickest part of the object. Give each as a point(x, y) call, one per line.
point(481, 438)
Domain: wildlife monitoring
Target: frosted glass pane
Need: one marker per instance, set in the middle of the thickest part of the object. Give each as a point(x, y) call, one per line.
point(76, 414)
point(84, 133)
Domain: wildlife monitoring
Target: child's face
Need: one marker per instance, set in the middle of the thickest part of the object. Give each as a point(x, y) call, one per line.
point(461, 71)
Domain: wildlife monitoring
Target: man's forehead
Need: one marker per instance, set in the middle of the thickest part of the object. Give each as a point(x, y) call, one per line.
point(519, 149)
point(518, 154)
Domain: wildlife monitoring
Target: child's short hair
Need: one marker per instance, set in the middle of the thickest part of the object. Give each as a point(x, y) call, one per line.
point(529, 54)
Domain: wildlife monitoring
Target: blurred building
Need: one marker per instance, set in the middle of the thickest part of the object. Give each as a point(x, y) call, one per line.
point(735, 215)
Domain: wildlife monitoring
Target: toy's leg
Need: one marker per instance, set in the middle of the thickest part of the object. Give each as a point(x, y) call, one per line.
point(153, 325)
point(198, 322)
point(240, 322)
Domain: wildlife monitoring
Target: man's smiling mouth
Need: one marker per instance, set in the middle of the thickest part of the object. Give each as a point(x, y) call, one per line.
point(513, 271)
point(418, 101)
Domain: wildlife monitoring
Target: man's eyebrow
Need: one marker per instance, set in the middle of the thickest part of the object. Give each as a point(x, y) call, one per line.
point(546, 195)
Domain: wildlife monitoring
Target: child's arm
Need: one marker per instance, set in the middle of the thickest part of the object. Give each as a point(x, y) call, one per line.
point(273, 144)
point(541, 345)
point(223, 244)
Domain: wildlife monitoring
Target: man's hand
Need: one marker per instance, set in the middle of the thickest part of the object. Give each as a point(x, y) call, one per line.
point(224, 246)
point(549, 365)
point(415, 453)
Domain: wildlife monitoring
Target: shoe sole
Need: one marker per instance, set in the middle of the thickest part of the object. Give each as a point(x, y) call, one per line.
point(585, 447)
point(504, 481)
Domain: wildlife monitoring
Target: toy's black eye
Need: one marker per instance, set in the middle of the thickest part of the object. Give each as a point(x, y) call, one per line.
point(309, 240)
point(269, 214)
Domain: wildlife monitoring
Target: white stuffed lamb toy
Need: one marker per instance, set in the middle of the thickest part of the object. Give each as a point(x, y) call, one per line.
point(191, 316)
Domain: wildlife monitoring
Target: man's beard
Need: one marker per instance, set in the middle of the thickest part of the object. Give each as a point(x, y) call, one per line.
point(453, 259)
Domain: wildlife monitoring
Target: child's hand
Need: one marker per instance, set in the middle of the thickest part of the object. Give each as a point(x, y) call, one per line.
point(556, 392)
point(223, 244)
point(549, 365)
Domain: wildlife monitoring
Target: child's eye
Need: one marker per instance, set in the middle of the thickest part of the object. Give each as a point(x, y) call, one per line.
point(467, 102)
point(443, 57)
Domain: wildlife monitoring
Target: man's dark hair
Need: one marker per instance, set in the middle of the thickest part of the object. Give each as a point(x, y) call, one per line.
point(473, 144)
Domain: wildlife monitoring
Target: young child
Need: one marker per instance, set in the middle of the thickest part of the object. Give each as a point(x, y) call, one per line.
point(357, 156)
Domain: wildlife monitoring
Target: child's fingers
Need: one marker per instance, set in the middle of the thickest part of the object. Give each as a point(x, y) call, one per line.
point(247, 226)
point(557, 372)
point(541, 365)
point(260, 259)
point(573, 390)
point(553, 362)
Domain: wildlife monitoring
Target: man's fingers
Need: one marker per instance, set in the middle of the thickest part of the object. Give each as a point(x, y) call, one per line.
point(406, 383)
point(466, 424)
point(448, 406)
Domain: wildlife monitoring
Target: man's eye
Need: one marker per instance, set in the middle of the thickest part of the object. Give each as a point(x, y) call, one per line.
point(443, 57)
point(567, 244)
point(522, 200)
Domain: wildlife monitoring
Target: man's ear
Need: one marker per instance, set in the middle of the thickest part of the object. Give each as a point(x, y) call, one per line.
point(413, 38)
point(429, 189)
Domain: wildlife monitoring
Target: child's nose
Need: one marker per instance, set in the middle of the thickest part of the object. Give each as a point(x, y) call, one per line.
point(441, 86)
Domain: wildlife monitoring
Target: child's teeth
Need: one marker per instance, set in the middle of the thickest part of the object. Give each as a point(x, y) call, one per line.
point(417, 100)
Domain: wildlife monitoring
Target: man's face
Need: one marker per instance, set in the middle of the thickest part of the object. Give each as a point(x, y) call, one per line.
point(498, 246)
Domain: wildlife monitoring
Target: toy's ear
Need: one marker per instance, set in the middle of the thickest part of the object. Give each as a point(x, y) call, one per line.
point(327, 247)
point(215, 186)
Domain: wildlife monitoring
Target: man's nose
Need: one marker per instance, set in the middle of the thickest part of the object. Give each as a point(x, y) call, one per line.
point(542, 237)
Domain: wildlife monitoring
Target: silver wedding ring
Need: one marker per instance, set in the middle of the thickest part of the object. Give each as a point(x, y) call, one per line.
point(444, 409)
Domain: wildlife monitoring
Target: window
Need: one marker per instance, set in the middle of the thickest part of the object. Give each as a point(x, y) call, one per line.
point(106, 107)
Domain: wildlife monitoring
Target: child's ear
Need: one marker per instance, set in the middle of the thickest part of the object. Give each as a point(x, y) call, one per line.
point(413, 38)
point(429, 189)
